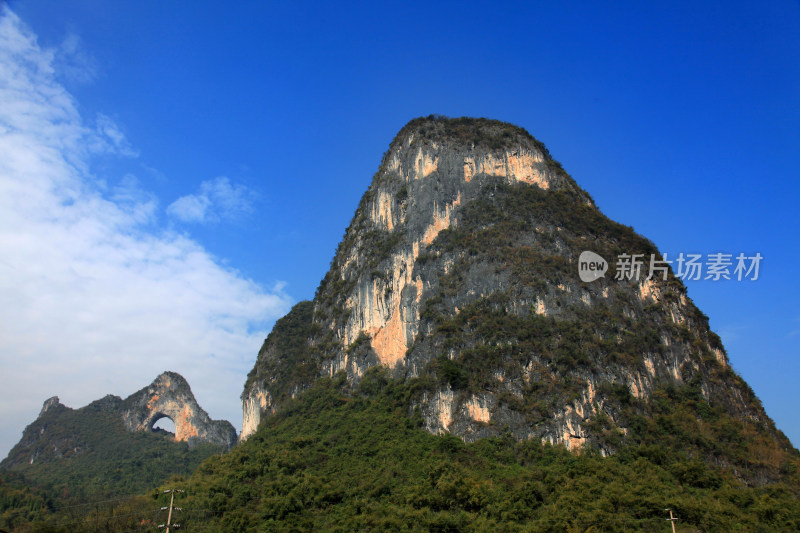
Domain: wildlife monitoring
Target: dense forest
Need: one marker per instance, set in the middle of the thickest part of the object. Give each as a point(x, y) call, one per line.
point(337, 459)
point(113, 464)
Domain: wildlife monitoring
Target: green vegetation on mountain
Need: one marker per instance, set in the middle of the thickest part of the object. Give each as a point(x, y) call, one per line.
point(478, 132)
point(98, 459)
point(335, 459)
point(504, 214)
point(290, 362)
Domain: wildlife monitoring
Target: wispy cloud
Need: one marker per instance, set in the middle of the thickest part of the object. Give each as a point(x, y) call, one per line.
point(94, 300)
point(109, 138)
point(217, 199)
point(72, 62)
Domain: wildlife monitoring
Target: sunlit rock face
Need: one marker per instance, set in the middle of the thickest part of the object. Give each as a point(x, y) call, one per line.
point(422, 183)
point(470, 223)
point(434, 180)
point(256, 403)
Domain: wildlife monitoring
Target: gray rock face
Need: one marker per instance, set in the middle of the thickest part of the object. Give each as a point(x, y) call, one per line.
point(377, 284)
point(460, 264)
point(50, 403)
point(169, 396)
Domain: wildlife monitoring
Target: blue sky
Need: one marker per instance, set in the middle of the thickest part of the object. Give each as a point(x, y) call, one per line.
point(188, 169)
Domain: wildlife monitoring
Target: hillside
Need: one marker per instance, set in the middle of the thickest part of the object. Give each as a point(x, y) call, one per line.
point(342, 460)
point(67, 457)
point(339, 459)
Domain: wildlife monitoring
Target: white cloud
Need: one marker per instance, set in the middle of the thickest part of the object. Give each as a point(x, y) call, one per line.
point(94, 302)
point(217, 199)
point(191, 208)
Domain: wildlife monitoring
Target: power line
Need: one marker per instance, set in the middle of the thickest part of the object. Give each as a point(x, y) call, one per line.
point(169, 523)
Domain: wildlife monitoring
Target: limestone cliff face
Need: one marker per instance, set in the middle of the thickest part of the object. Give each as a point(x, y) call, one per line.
point(422, 182)
point(460, 268)
point(417, 194)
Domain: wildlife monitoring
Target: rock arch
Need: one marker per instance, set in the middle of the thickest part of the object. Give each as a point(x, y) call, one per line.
point(157, 423)
point(170, 396)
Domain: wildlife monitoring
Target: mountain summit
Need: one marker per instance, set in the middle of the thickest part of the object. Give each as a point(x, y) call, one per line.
point(460, 269)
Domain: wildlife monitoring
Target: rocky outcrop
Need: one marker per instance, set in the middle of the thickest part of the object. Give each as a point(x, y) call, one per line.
point(254, 405)
point(50, 403)
point(169, 396)
point(460, 266)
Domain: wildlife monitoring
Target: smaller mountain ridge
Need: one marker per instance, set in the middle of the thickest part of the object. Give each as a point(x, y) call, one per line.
point(56, 433)
point(107, 448)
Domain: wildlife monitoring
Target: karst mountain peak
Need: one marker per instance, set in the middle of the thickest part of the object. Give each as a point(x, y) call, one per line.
point(459, 269)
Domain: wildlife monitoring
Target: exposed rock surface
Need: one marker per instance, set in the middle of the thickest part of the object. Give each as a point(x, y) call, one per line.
point(54, 435)
point(460, 268)
point(50, 403)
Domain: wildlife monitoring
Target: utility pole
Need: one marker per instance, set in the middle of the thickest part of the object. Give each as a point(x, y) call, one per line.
point(169, 523)
point(671, 519)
